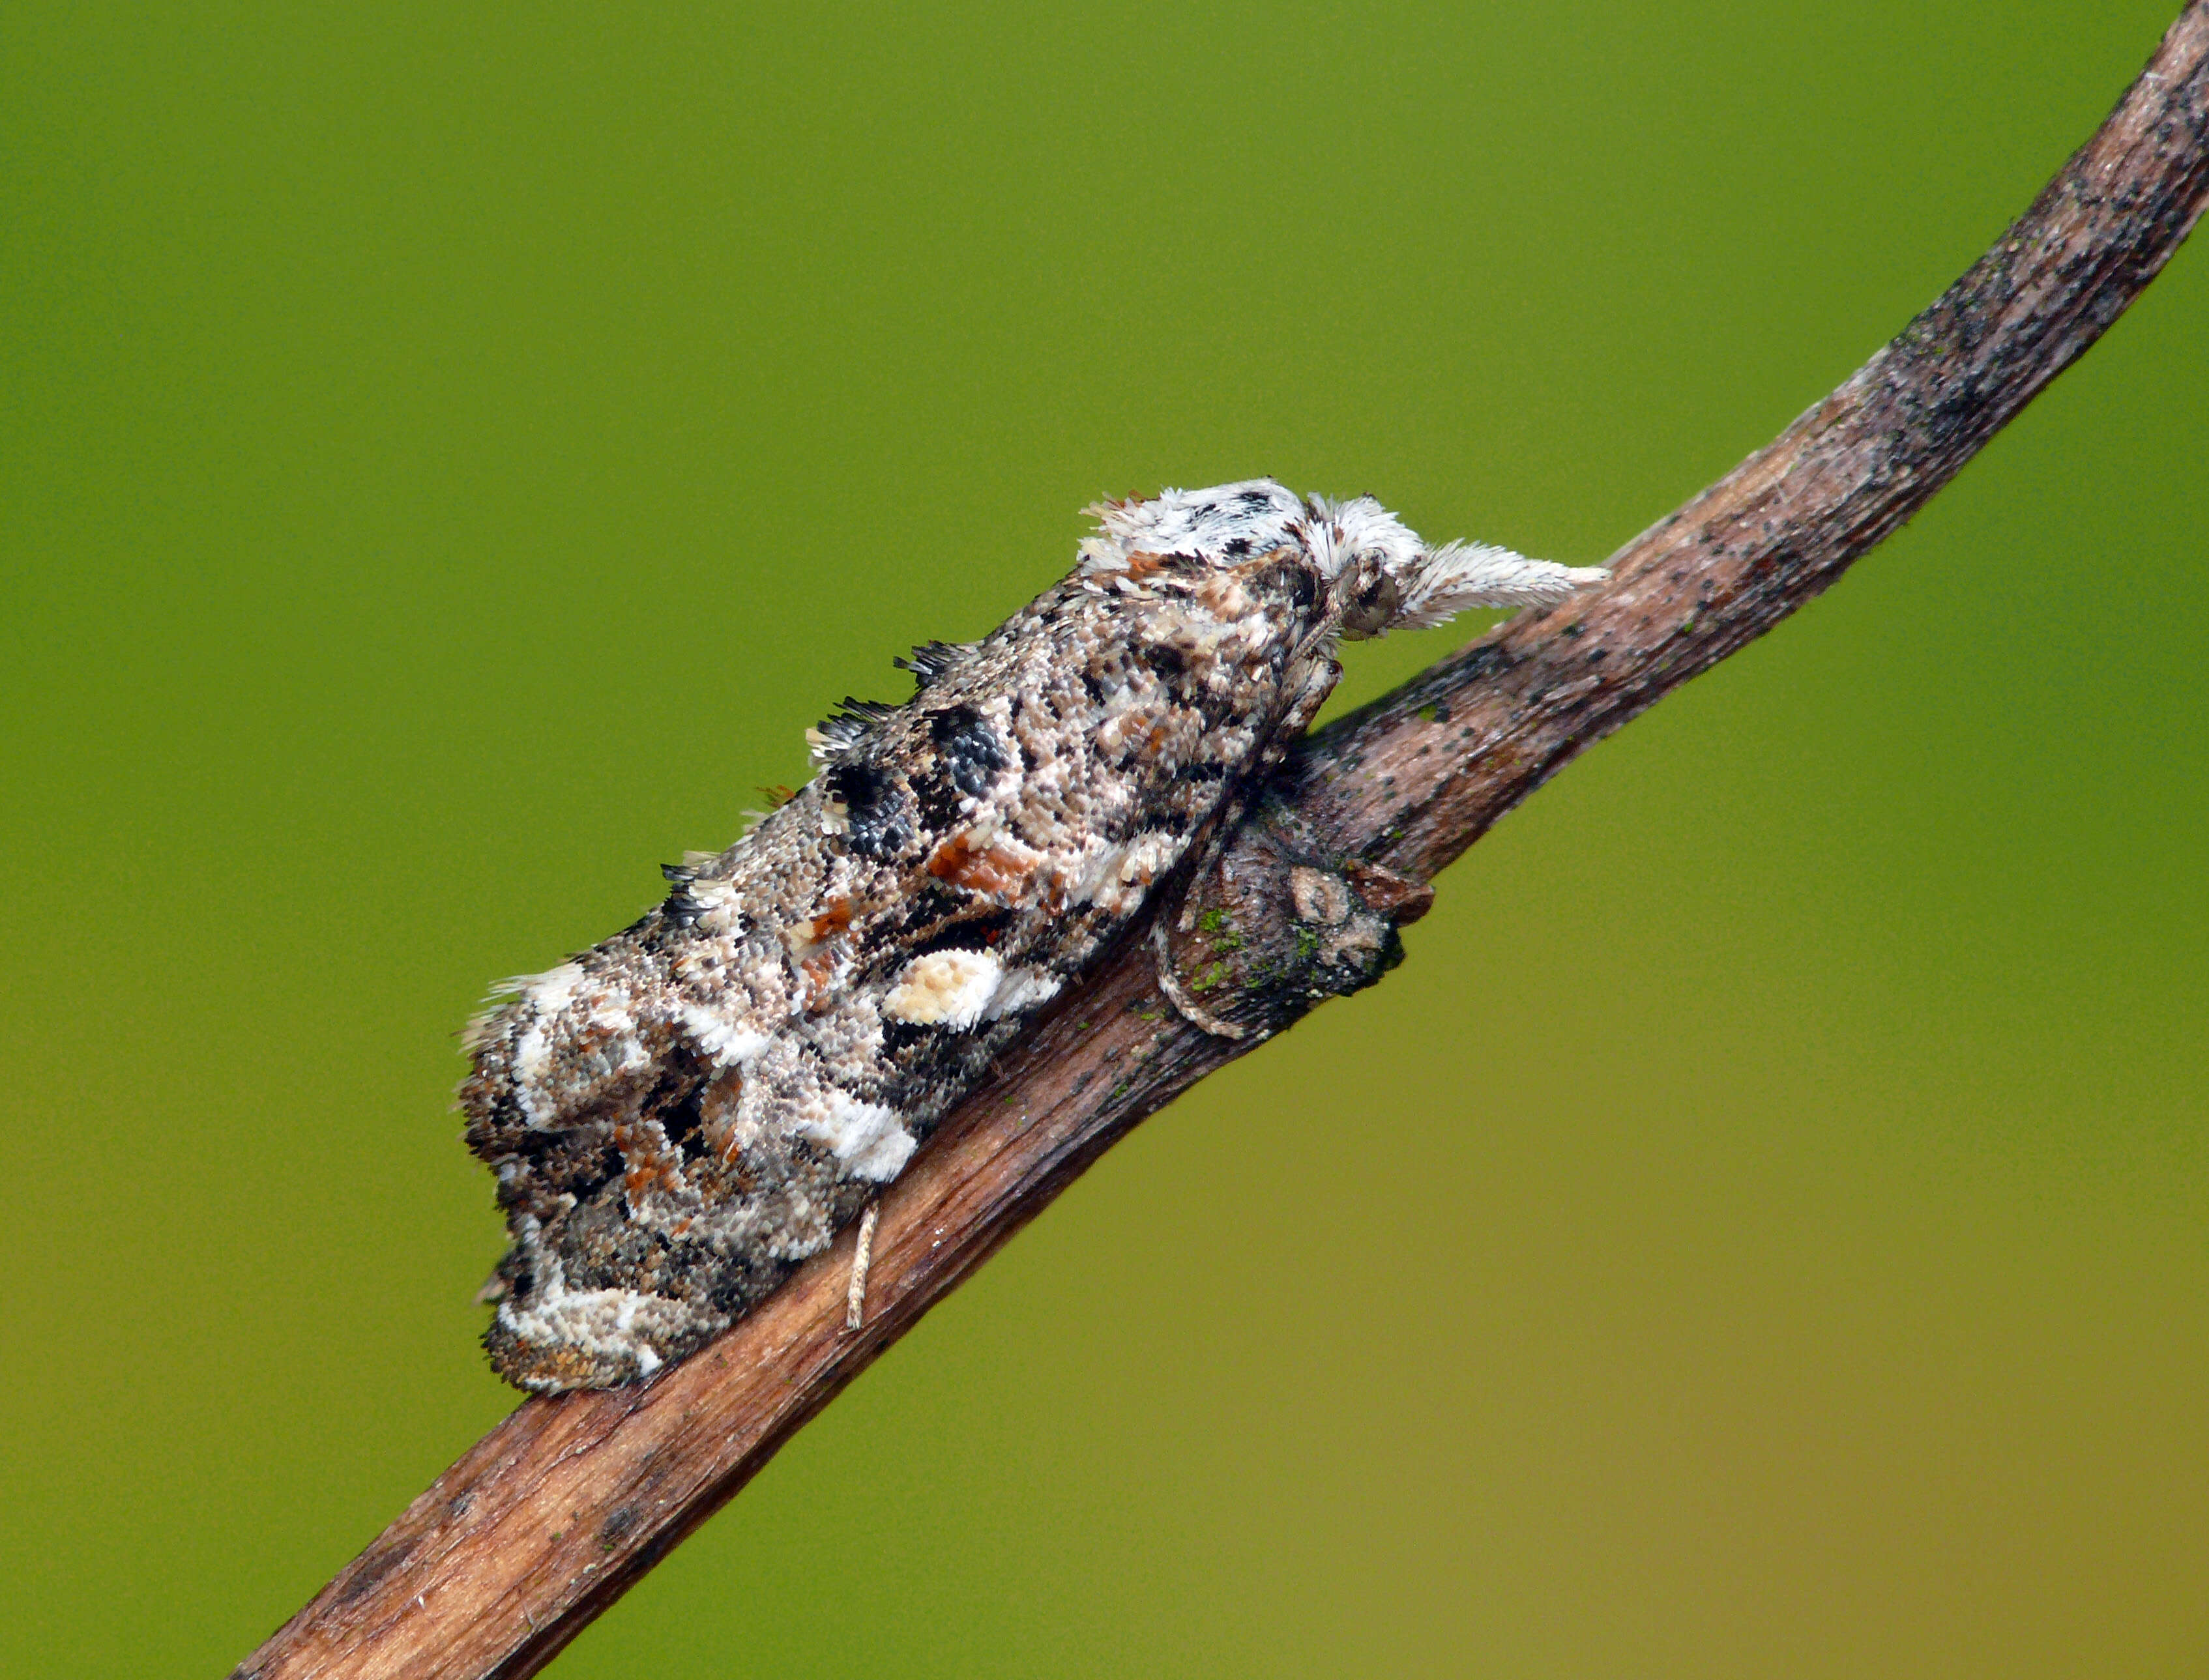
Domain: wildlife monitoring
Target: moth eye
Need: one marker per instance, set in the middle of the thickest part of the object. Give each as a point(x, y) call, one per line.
point(1372, 604)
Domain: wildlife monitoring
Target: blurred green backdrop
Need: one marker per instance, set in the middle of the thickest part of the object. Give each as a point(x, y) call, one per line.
point(451, 452)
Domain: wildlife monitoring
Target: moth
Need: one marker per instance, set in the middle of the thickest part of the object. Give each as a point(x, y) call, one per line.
point(681, 1114)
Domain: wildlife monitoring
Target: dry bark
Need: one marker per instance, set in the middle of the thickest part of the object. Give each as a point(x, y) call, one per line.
point(555, 1513)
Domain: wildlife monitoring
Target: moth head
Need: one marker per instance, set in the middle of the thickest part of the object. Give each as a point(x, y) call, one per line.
point(1385, 577)
point(1373, 562)
point(1371, 572)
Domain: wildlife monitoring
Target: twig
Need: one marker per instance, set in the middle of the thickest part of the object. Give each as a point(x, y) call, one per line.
point(559, 1509)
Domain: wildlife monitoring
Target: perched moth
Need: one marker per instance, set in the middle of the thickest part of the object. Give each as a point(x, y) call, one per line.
point(682, 1113)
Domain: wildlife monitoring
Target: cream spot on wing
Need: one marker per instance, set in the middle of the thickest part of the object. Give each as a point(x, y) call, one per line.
point(868, 1140)
point(945, 989)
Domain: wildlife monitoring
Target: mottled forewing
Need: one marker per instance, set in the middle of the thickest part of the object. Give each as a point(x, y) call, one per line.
point(680, 1115)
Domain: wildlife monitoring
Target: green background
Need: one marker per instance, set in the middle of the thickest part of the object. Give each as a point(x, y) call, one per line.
point(451, 452)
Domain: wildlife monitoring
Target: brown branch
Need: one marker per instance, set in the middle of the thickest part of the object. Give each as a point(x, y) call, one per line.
point(559, 1509)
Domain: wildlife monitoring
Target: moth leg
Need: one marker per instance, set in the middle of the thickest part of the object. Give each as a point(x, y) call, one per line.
point(1317, 686)
point(1181, 917)
point(862, 1256)
point(1170, 985)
